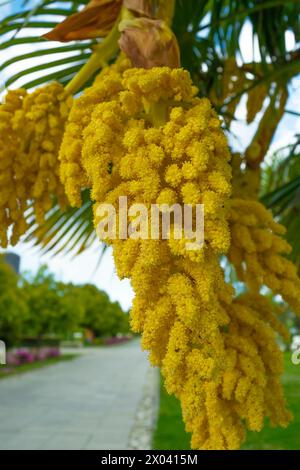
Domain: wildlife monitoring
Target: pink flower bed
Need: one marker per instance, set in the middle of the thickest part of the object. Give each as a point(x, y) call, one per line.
point(28, 356)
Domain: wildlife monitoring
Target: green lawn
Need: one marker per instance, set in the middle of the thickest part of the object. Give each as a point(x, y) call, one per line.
point(35, 365)
point(170, 434)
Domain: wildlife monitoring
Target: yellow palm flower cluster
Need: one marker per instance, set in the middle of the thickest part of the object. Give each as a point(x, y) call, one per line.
point(144, 134)
point(156, 143)
point(151, 140)
point(234, 387)
point(245, 180)
point(31, 129)
point(229, 82)
point(154, 150)
point(211, 355)
point(107, 84)
point(258, 251)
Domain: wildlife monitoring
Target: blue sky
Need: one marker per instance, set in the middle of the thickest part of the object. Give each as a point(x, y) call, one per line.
point(83, 268)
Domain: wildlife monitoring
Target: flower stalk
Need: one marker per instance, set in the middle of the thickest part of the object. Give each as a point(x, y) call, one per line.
point(103, 53)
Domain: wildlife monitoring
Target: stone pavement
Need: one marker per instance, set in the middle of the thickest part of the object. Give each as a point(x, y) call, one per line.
point(87, 403)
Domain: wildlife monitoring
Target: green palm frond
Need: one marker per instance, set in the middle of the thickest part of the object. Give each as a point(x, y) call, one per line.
point(292, 223)
point(281, 186)
point(283, 198)
point(52, 61)
point(70, 231)
point(281, 176)
point(209, 32)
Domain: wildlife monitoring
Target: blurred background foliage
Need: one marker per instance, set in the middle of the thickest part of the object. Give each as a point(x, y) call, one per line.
point(34, 308)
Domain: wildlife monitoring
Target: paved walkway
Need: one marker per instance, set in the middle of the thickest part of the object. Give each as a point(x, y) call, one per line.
point(87, 403)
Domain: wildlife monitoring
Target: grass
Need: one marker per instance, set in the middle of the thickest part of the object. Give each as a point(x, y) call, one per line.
point(170, 434)
point(35, 365)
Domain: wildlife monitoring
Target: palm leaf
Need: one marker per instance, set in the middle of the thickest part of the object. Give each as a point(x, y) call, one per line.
point(70, 231)
point(209, 33)
point(14, 31)
point(281, 175)
point(281, 185)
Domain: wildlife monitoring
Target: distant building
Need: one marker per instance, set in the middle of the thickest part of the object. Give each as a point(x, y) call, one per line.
point(13, 260)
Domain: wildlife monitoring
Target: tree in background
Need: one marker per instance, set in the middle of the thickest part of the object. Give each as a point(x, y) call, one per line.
point(52, 309)
point(101, 316)
point(60, 309)
point(38, 306)
point(13, 306)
